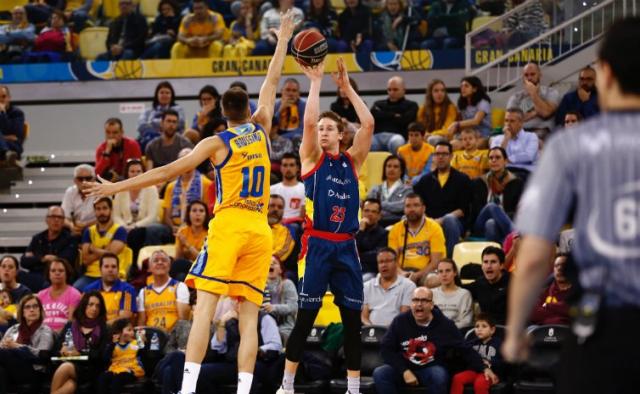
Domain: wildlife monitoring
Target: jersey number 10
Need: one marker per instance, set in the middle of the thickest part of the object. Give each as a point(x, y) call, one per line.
point(255, 179)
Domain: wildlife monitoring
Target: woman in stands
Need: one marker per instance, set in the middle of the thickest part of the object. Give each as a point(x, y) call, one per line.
point(53, 44)
point(454, 301)
point(24, 345)
point(393, 23)
point(164, 31)
point(283, 302)
point(321, 16)
point(438, 112)
point(244, 31)
point(89, 338)
point(190, 238)
point(343, 107)
point(60, 299)
point(475, 108)
point(209, 100)
point(392, 190)
point(164, 98)
point(9, 278)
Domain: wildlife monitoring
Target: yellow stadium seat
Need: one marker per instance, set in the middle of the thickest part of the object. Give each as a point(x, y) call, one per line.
point(7, 5)
point(470, 252)
point(111, 9)
point(497, 117)
point(374, 168)
point(95, 6)
point(329, 312)
point(26, 131)
point(482, 20)
point(146, 252)
point(149, 8)
point(338, 5)
point(93, 41)
point(126, 259)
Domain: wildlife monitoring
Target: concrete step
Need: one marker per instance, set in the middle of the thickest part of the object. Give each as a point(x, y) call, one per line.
point(31, 227)
point(13, 215)
point(63, 174)
point(15, 241)
point(40, 185)
point(22, 199)
point(61, 157)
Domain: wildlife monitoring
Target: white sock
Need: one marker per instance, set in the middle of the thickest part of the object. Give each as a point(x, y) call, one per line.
point(353, 385)
point(244, 382)
point(287, 380)
point(190, 377)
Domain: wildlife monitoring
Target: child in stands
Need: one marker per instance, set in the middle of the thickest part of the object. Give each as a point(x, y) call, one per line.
point(124, 364)
point(471, 160)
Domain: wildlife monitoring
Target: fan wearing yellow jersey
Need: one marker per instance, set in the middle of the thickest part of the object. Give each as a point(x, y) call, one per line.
point(472, 161)
point(235, 260)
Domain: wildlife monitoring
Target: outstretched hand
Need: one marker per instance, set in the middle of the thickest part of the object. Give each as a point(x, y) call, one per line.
point(287, 24)
point(314, 72)
point(341, 78)
point(102, 189)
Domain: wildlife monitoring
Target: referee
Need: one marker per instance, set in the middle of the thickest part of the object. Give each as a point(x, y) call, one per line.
point(596, 168)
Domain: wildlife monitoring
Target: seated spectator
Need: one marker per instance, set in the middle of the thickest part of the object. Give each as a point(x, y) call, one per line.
point(292, 191)
point(150, 121)
point(392, 191)
point(239, 84)
point(244, 32)
point(77, 11)
point(495, 198)
point(39, 11)
point(415, 346)
point(438, 112)
point(54, 43)
point(8, 310)
point(388, 294)
point(417, 153)
point(90, 338)
point(475, 108)
point(16, 37)
point(123, 356)
point(23, 346)
point(418, 241)
point(54, 242)
point(165, 148)
point(270, 22)
point(552, 307)
point(209, 100)
point(127, 34)
point(493, 7)
point(283, 302)
point(447, 21)
point(470, 161)
point(200, 33)
point(12, 126)
point(343, 107)
point(76, 204)
point(524, 25)
point(488, 347)
point(279, 146)
point(9, 279)
point(60, 299)
point(283, 243)
point(190, 239)
point(164, 31)
point(119, 297)
point(537, 102)
point(521, 146)
point(447, 195)
point(393, 21)
point(117, 149)
point(572, 118)
point(392, 117)
point(454, 301)
point(355, 27)
point(490, 290)
point(583, 100)
point(104, 237)
point(289, 110)
point(322, 17)
point(165, 300)
point(370, 238)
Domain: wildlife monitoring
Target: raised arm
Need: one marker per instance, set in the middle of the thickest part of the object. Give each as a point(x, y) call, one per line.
point(310, 150)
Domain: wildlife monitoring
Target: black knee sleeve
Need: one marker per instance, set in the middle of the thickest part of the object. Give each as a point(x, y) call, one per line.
point(298, 337)
point(352, 346)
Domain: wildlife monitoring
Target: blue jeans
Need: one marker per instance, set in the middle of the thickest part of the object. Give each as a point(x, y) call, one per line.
point(493, 223)
point(453, 230)
point(158, 50)
point(441, 43)
point(83, 282)
point(389, 381)
point(6, 146)
point(386, 141)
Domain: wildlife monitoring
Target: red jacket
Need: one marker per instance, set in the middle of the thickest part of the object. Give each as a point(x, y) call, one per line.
point(551, 307)
point(118, 157)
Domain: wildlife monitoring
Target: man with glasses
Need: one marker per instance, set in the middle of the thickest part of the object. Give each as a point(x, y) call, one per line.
point(115, 151)
point(77, 204)
point(371, 236)
point(392, 117)
point(521, 146)
point(127, 34)
point(583, 100)
point(54, 242)
point(415, 346)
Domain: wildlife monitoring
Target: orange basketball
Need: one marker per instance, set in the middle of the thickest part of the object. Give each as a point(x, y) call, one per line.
point(309, 47)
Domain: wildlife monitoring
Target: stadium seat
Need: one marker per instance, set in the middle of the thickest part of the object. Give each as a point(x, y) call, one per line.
point(7, 5)
point(111, 10)
point(314, 348)
point(146, 252)
point(149, 9)
point(338, 5)
point(329, 312)
point(482, 20)
point(470, 252)
point(497, 117)
point(93, 41)
point(374, 168)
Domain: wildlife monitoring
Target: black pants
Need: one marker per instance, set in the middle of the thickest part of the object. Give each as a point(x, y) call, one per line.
point(15, 368)
point(113, 383)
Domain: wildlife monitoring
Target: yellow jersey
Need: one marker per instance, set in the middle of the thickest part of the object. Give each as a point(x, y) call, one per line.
point(415, 161)
point(101, 241)
point(161, 309)
point(419, 246)
point(473, 164)
point(125, 359)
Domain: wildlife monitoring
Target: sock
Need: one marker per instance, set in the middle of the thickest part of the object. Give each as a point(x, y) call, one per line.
point(244, 382)
point(353, 385)
point(190, 377)
point(287, 380)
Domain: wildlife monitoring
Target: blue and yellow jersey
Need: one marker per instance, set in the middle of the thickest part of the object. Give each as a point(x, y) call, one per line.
point(125, 359)
point(161, 308)
point(242, 179)
point(121, 297)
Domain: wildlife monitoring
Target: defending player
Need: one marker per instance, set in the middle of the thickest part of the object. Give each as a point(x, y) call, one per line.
point(236, 258)
point(331, 185)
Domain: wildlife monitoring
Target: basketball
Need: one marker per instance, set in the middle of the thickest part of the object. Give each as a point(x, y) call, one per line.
point(309, 47)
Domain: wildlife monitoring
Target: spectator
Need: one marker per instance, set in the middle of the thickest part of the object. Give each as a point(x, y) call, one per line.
point(209, 100)
point(496, 197)
point(16, 37)
point(447, 21)
point(279, 146)
point(521, 146)
point(355, 27)
point(165, 300)
point(77, 11)
point(490, 290)
point(471, 161)
point(270, 22)
point(282, 241)
point(150, 121)
point(393, 21)
point(417, 153)
point(12, 126)
point(388, 294)
point(23, 346)
point(244, 32)
point(371, 237)
point(447, 195)
point(9, 279)
point(583, 100)
point(438, 112)
point(190, 239)
point(392, 117)
point(418, 240)
point(475, 108)
point(54, 242)
point(392, 191)
point(60, 299)
point(54, 43)
point(117, 149)
point(239, 84)
point(292, 191)
point(537, 102)
point(415, 346)
point(90, 337)
point(127, 34)
point(343, 107)
point(572, 118)
point(524, 25)
point(39, 11)
point(104, 237)
point(76, 204)
point(552, 307)
point(164, 31)
point(322, 17)
point(289, 109)
point(283, 304)
point(119, 297)
point(454, 301)
point(8, 310)
point(123, 357)
point(200, 33)
point(164, 149)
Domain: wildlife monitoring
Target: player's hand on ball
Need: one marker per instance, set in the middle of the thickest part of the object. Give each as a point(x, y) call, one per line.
point(341, 78)
point(314, 73)
point(102, 189)
point(287, 25)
